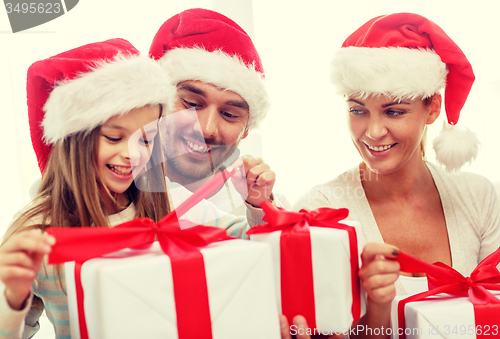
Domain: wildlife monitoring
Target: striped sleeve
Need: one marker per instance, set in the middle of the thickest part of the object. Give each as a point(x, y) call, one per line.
point(51, 289)
point(12, 321)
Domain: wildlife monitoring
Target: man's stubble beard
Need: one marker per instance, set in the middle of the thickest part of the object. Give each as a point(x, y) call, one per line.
point(195, 172)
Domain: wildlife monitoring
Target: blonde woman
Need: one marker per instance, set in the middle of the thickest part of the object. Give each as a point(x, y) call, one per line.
point(391, 72)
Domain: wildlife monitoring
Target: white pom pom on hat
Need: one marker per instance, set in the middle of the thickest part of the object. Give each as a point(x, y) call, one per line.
point(455, 146)
point(408, 56)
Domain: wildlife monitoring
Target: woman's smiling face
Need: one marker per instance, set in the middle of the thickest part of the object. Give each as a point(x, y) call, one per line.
point(386, 131)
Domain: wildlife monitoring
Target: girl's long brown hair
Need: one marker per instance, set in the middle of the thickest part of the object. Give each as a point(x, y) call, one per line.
point(70, 193)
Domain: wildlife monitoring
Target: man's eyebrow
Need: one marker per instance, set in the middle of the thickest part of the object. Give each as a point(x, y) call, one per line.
point(238, 103)
point(191, 88)
point(196, 90)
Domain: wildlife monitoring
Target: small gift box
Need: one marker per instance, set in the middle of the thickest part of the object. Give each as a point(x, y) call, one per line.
point(315, 265)
point(454, 306)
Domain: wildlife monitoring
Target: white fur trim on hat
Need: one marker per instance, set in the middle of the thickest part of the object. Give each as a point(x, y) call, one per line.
point(221, 70)
point(392, 71)
point(109, 89)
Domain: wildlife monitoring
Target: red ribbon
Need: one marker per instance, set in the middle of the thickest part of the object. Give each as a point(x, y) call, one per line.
point(297, 290)
point(444, 279)
point(182, 246)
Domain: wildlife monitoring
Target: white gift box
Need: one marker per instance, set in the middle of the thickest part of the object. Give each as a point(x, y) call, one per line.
point(331, 265)
point(131, 296)
point(440, 317)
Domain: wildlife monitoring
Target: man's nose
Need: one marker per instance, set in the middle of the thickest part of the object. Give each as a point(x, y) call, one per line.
point(208, 118)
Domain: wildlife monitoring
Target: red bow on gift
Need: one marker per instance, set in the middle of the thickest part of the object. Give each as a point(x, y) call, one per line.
point(297, 290)
point(279, 219)
point(444, 279)
point(81, 244)
point(181, 245)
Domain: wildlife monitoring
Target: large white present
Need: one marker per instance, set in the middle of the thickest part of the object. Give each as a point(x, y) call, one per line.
point(130, 294)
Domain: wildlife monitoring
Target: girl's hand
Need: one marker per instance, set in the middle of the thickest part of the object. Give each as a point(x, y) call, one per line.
point(21, 257)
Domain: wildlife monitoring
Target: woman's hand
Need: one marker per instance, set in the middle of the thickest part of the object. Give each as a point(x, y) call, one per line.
point(21, 257)
point(378, 273)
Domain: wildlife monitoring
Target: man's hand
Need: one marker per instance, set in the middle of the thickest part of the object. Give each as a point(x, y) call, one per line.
point(257, 181)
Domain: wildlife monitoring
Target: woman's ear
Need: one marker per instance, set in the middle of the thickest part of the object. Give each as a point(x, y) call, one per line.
point(434, 108)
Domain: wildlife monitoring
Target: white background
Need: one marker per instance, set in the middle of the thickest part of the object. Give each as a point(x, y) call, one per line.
point(304, 137)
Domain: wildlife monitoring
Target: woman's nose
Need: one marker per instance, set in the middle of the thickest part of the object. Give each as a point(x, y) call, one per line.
point(376, 128)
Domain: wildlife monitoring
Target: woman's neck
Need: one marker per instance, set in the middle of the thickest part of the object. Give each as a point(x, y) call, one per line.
point(409, 180)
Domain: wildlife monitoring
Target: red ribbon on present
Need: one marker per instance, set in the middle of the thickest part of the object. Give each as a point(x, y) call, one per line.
point(297, 290)
point(444, 279)
point(182, 246)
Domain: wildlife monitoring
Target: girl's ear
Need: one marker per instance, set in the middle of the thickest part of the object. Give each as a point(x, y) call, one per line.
point(434, 108)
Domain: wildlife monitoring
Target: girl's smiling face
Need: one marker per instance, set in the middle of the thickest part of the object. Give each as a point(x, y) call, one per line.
point(125, 145)
point(386, 131)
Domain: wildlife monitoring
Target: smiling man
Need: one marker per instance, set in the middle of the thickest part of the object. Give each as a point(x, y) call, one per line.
point(220, 97)
point(204, 133)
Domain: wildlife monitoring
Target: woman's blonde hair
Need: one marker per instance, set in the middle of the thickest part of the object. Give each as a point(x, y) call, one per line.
point(423, 143)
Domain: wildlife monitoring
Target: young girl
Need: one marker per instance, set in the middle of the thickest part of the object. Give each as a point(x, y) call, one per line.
point(85, 108)
point(94, 114)
point(391, 72)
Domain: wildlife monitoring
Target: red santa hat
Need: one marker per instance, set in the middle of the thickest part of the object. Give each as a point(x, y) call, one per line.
point(82, 88)
point(199, 44)
point(408, 56)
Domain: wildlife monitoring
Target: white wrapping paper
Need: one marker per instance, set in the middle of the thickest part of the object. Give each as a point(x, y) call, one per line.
point(331, 270)
point(132, 297)
point(440, 318)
